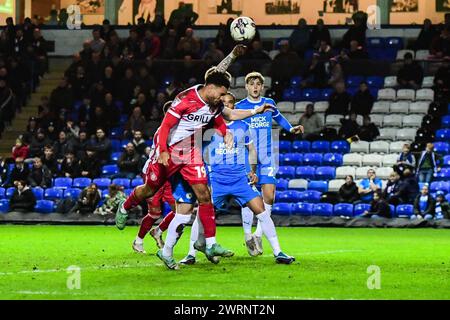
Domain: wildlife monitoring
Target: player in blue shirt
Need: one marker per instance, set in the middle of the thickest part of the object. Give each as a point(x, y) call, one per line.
point(261, 125)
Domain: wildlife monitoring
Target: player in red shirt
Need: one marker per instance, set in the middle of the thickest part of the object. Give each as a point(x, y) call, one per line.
point(178, 149)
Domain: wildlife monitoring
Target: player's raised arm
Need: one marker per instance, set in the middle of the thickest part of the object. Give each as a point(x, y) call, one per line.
point(238, 50)
point(284, 123)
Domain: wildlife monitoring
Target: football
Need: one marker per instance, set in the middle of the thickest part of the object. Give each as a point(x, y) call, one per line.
point(243, 29)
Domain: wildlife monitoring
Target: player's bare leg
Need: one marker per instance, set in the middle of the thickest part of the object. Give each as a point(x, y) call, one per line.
point(206, 215)
point(268, 229)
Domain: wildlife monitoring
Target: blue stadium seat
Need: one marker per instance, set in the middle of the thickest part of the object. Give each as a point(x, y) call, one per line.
point(393, 211)
point(295, 81)
point(9, 192)
point(404, 211)
point(352, 90)
point(290, 196)
point(446, 161)
point(53, 194)
point(292, 94)
point(137, 182)
point(115, 144)
point(312, 159)
point(102, 183)
point(105, 193)
point(325, 173)
point(62, 183)
point(110, 169)
point(286, 172)
point(340, 146)
point(81, 182)
point(325, 94)
point(303, 209)
point(122, 182)
point(128, 192)
point(323, 209)
point(333, 159)
point(394, 43)
point(38, 193)
point(310, 196)
point(354, 81)
point(442, 147)
point(320, 146)
point(301, 146)
point(343, 209)
point(375, 82)
point(443, 135)
point(116, 133)
point(44, 206)
point(440, 186)
point(2, 193)
point(375, 42)
point(446, 122)
point(305, 172)
point(282, 184)
point(115, 156)
point(444, 174)
point(4, 206)
point(374, 91)
point(285, 146)
point(321, 186)
point(123, 119)
point(447, 197)
point(291, 159)
point(73, 193)
point(311, 94)
point(283, 209)
point(124, 143)
point(360, 208)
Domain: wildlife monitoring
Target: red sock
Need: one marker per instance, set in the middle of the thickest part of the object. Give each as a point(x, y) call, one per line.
point(164, 224)
point(132, 201)
point(207, 217)
point(146, 225)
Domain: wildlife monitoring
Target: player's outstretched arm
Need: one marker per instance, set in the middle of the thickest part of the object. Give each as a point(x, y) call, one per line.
point(284, 123)
point(240, 114)
point(238, 50)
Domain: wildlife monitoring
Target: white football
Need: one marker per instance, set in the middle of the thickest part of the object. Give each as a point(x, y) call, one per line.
point(243, 29)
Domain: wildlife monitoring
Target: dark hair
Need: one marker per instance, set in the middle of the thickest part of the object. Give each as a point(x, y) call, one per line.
point(349, 176)
point(408, 55)
point(218, 79)
point(166, 106)
point(379, 194)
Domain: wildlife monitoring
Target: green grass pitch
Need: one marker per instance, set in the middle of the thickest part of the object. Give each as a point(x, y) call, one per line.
point(331, 264)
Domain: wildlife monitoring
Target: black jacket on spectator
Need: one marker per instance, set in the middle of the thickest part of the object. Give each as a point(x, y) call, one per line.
point(90, 165)
point(17, 175)
point(380, 208)
point(129, 162)
point(37, 146)
point(24, 201)
point(339, 103)
point(62, 147)
point(318, 35)
point(430, 206)
point(368, 133)
point(408, 189)
point(51, 164)
point(357, 33)
point(140, 146)
point(73, 169)
point(348, 129)
point(410, 72)
point(102, 148)
point(40, 177)
point(349, 193)
point(61, 98)
point(362, 103)
point(285, 65)
point(391, 189)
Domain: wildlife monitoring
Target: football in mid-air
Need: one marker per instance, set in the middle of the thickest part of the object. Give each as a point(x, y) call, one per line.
point(243, 29)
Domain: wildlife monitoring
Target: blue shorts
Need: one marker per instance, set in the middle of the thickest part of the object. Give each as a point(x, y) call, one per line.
point(266, 174)
point(240, 190)
point(182, 191)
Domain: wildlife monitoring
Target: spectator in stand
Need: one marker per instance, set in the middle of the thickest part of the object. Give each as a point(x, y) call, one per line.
point(426, 36)
point(442, 77)
point(69, 166)
point(97, 43)
point(258, 59)
point(128, 163)
point(23, 199)
point(315, 76)
point(339, 100)
point(357, 52)
point(40, 175)
point(135, 123)
point(300, 38)
point(440, 47)
point(320, 33)
point(112, 200)
point(349, 127)
point(32, 128)
point(379, 208)
point(52, 132)
point(100, 118)
point(182, 17)
point(427, 165)
point(357, 32)
point(336, 73)
point(49, 159)
point(368, 131)
point(405, 160)
point(391, 191)
point(109, 79)
point(87, 201)
point(286, 64)
point(89, 165)
point(80, 144)
point(409, 188)
point(20, 172)
point(410, 76)
point(153, 43)
point(7, 103)
point(20, 150)
point(61, 97)
point(362, 101)
point(101, 145)
point(368, 186)
point(311, 122)
point(62, 146)
point(442, 208)
point(424, 205)
point(213, 53)
point(189, 45)
point(170, 43)
point(348, 192)
point(86, 111)
point(325, 51)
point(138, 142)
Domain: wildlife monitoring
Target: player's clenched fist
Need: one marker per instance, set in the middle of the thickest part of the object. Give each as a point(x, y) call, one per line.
point(298, 130)
point(164, 158)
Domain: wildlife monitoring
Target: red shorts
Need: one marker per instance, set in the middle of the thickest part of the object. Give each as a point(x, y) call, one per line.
point(164, 194)
point(187, 161)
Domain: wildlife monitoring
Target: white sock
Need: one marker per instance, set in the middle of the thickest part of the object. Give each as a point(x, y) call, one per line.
point(259, 231)
point(247, 221)
point(268, 228)
point(139, 240)
point(172, 234)
point(210, 242)
point(194, 237)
